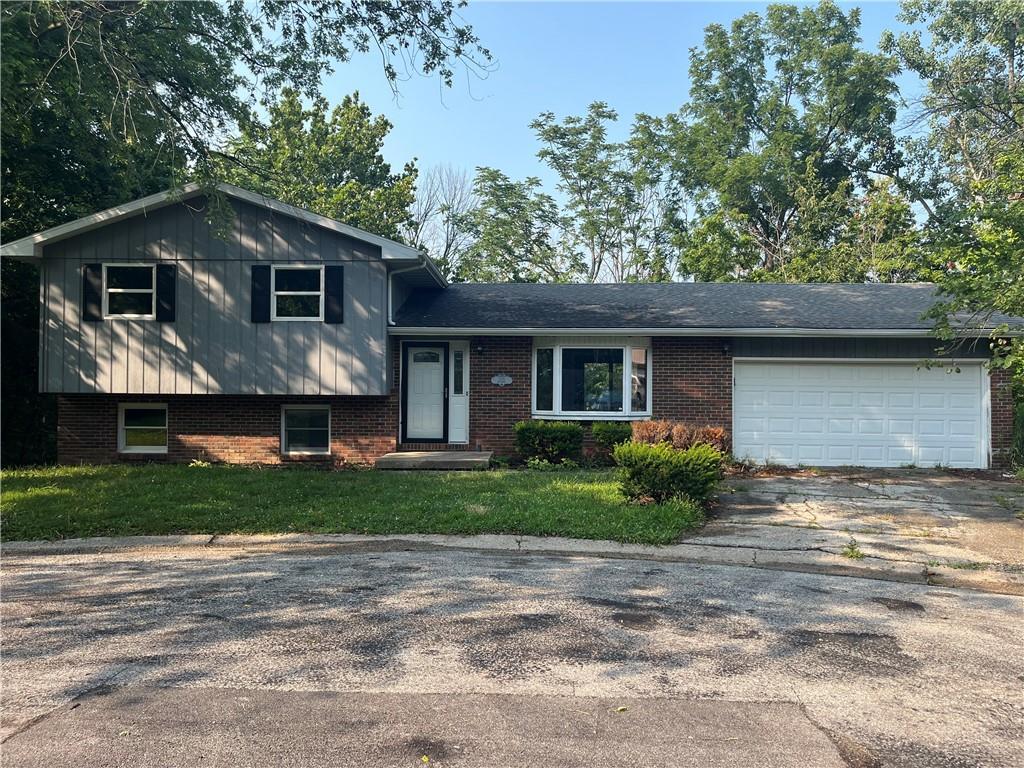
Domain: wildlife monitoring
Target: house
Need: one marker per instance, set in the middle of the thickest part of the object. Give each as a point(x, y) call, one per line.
point(275, 334)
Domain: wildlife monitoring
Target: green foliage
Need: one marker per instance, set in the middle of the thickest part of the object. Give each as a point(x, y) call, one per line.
point(852, 550)
point(981, 248)
point(608, 434)
point(971, 61)
point(325, 160)
point(778, 103)
point(659, 472)
point(124, 500)
point(511, 230)
point(549, 440)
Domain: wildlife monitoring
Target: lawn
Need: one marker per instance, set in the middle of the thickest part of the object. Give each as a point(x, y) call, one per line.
point(120, 500)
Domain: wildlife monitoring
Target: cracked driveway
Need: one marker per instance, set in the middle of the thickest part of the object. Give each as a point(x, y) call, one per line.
point(322, 656)
point(965, 521)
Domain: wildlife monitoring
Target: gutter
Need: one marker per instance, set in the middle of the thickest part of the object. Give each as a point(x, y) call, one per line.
point(548, 331)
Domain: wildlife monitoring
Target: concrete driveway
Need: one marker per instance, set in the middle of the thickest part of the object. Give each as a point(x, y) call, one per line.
point(306, 655)
point(969, 522)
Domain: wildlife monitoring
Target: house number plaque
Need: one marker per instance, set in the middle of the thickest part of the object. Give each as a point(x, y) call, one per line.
point(501, 379)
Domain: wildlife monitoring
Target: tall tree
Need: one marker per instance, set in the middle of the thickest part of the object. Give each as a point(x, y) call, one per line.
point(972, 63)
point(620, 214)
point(513, 233)
point(326, 160)
point(771, 96)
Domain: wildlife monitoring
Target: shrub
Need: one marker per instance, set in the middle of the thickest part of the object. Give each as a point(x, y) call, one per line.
point(660, 472)
point(608, 434)
point(679, 435)
point(550, 440)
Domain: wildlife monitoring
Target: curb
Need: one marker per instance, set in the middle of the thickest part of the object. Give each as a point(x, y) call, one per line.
point(812, 562)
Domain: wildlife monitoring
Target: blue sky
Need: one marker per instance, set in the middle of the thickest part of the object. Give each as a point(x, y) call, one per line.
point(557, 57)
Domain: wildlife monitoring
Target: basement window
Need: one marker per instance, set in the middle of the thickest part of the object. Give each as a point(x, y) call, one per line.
point(142, 428)
point(306, 430)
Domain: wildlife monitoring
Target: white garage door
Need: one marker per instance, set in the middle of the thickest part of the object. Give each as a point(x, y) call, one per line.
point(863, 414)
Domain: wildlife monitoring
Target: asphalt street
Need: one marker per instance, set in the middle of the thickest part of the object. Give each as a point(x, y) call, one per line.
point(321, 656)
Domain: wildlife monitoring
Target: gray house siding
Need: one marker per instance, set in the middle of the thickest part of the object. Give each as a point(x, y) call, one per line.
point(868, 347)
point(212, 347)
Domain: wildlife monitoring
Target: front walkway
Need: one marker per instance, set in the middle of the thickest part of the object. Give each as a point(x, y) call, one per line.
point(435, 460)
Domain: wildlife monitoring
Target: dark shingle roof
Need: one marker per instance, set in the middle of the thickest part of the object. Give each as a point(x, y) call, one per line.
point(672, 305)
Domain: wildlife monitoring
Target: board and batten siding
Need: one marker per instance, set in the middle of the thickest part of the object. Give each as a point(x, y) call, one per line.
point(212, 347)
point(865, 347)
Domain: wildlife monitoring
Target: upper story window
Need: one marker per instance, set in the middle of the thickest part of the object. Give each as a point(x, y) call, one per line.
point(591, 381)
point(129, 290)
point(297, 292)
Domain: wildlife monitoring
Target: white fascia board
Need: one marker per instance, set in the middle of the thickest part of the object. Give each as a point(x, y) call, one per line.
point(827, 332)
point(29, 247)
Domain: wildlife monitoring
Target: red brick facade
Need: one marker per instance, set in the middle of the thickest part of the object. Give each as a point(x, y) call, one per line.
point(228, 428)
point(1002, 417)
point(691, 381)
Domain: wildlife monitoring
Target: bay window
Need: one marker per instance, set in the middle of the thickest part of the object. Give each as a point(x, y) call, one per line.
point(591, 381)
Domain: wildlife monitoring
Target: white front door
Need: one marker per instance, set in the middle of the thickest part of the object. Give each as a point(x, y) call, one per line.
point(424, 406)
point(458, 393)
point(875, 414)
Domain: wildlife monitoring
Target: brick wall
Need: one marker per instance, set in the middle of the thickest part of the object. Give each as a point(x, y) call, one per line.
point(228, 428)
point(692, 380)
point(494, 410)
point(1002, 417)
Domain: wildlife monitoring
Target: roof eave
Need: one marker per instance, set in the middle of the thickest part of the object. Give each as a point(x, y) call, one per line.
point(638, 331)
point(30, 248)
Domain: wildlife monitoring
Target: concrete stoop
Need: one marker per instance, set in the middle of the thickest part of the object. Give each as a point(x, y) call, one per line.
point(444, 460)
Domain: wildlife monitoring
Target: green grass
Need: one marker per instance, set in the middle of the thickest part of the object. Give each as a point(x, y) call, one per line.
point(121, 500)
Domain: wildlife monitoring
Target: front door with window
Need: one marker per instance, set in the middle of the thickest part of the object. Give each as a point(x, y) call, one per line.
point(425, 393)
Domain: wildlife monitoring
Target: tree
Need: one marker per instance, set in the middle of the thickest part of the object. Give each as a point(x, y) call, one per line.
point(972, 160)
point(325, 160)
point(620, 214)
point(972, 65)
point(769, 96)
point(183, 75)
point(444, 196)
point(512, 232)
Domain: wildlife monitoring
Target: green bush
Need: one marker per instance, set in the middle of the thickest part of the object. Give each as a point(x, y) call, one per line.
point(660, 472)
point(1017, 447)
point(550, 440)
point(608, 434)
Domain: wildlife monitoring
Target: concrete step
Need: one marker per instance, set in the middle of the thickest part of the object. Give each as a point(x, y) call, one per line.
point(435, 460)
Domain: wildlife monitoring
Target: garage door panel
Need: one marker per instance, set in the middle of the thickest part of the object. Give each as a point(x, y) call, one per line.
point(874, 414)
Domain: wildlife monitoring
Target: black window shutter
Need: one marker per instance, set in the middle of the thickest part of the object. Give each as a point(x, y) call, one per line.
point(334, 294)
point(166, 288)
point(92, 293)
point(261, 293)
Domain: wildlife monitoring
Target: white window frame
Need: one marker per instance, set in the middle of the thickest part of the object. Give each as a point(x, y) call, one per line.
point(274, 293)
point(284, 436)
point(626, 414)
point(151, 315)
point(121, 447)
